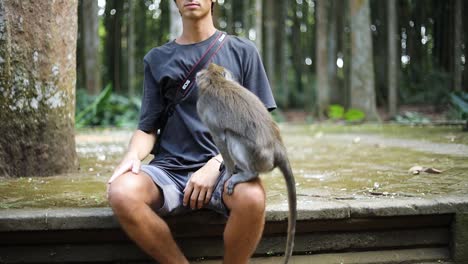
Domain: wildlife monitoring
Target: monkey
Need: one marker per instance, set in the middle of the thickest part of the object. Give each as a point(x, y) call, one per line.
point(246, 135)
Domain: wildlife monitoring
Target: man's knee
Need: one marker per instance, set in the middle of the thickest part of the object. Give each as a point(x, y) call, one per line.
point(127, 190)
point(248, 196)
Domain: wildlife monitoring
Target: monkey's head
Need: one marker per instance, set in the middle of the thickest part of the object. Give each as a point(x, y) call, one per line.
point(214, 74)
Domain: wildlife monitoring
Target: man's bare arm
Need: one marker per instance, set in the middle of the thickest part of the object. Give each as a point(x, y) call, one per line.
point(139, 147)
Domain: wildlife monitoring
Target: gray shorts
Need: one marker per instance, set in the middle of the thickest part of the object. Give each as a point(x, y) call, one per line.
point(172, 186)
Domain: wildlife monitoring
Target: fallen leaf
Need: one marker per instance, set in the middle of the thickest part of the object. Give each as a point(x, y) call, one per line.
point(432, 170)
point(415, 170)
point(418, 169)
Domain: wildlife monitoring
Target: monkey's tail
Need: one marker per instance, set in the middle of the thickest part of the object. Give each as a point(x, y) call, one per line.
point(285, 168)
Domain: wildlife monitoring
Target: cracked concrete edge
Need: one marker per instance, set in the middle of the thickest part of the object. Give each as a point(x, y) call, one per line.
point(322, 209)
point(313, 209)
point(414, 206)
point(56, 219)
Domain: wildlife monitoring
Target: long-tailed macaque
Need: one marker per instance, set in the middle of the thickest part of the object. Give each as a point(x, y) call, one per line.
point(246, 135)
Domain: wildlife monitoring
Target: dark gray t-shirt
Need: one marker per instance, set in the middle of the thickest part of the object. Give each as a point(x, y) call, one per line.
point(186, 143)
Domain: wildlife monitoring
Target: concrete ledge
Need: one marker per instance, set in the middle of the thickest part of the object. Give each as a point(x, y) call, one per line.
point(460, 240)
point(318, 209)
point(313, 209)
point(416, 256)
point(56, 219)
point(432, 225)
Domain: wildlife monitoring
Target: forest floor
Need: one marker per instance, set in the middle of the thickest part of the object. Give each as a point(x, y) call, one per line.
point(332, 161)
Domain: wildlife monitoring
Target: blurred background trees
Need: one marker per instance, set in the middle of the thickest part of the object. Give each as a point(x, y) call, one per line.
point(342, 60)
point(376, 56)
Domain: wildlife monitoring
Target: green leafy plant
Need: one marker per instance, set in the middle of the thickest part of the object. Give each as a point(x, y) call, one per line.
point(106, 109)
point(459, 107)
point(278, 115)
point(412, 118)
point(84, 115)
point(337, 112)
point(460, 102)
point(354, 115)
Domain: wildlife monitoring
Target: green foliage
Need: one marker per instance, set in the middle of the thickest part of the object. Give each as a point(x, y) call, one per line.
point(459, 106)
point(337, 112)
point(278, 115)
point(424, 80)
point(424, 86)
point(460, 100)
point(106, 109)
point(354, 115)
point(91, 108)
point(412, 118)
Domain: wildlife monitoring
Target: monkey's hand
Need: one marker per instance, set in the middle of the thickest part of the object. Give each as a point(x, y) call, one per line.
point(200, 186)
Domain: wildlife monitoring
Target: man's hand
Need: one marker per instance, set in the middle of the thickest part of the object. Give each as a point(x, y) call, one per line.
point(130, 162)
point(140, 146)
point(201, 184)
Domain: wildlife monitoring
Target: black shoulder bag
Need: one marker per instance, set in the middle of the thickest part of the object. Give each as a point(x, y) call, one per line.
point(174, 96)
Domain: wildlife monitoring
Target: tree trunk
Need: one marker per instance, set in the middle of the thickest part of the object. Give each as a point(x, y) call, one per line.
point(392, 42)
point(217, 14)
point(380, 57)
point(176, 21)
point(344, 48)
point(113, 51)
point(230, 17)
point(457, 47)
point(37, 87)
point(362, 66)
point(258, 25)
point(465, 36)
point(246, 15)
point(413, 30)
point(269, 53)
point(309, 45)
point(90, 22)
point(297, 57)
point(334, 90)
point(80, 75)
point(280, 50)
point(141, 39)
point(131, 48)
point(443, 36)
point(321, 66)
point(162, 28)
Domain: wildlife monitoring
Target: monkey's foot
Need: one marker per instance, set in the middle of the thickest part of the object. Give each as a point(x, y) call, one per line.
point(230, 188)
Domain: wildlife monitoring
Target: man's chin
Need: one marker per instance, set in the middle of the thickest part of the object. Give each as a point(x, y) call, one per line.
point(195, 15)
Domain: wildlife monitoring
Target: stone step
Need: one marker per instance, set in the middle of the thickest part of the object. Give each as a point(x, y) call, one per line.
point(406, 231)
point(407, 256)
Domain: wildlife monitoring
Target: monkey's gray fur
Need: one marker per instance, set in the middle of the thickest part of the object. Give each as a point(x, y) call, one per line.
point(246, 135)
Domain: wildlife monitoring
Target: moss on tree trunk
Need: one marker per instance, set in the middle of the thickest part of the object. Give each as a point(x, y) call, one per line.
point(37, 87)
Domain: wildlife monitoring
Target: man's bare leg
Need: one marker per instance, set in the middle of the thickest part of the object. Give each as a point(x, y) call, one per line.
point(244, 227)
point(131, 197)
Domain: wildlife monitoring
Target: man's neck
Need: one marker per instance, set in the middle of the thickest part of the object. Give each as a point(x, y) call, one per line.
point(196, 31)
